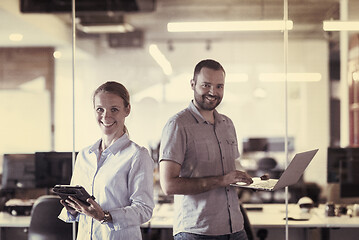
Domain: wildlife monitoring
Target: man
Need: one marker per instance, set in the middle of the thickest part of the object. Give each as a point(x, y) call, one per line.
point(197, 163)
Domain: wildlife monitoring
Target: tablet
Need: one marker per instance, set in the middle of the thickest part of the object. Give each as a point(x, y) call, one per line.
point(77, 191)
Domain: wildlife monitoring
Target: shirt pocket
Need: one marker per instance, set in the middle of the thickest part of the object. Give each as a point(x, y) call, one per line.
point(204, 150)
point(232, 148)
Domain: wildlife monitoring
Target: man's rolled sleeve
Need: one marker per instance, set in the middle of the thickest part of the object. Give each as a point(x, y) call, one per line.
point(173, 143)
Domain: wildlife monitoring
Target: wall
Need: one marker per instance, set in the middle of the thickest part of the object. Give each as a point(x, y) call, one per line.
point(308, 102)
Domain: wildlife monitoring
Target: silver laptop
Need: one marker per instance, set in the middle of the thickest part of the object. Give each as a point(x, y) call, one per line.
point(289, 177)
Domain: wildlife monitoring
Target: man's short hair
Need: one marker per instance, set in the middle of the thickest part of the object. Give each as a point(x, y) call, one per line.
point(207, 63)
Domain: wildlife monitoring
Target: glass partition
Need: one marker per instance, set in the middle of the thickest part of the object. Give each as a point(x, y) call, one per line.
point(254, 96)
point(278, 87)
point(308, 93)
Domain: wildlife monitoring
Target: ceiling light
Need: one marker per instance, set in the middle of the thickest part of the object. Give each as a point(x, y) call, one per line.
point(16, 37)
point(260, 93)
point(341, 25)
point(236, 77)
point(57, 54)
point(355, 76)
point(291, 77)
point(228, 26)
point(106, 28)
point(160, 59)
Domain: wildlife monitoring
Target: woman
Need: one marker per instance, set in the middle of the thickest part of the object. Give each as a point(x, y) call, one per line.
point(116, 171)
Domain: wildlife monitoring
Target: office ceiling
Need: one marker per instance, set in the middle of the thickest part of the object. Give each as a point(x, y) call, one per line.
point(307, 16)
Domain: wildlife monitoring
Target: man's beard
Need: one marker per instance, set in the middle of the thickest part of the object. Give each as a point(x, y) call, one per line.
point(205, 104)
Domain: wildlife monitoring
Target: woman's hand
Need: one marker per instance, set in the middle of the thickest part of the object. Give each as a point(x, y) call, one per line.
point(68, 208)
point(93, 210)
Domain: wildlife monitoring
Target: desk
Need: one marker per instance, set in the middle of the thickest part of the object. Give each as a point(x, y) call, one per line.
point(8, 220)
point(271, 218)
point(13, 227)
point(163, 216)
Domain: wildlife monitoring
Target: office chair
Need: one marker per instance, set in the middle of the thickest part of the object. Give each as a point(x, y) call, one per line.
point(266, 163)
point(44, 224)
point(261, 233)
point(247, 224)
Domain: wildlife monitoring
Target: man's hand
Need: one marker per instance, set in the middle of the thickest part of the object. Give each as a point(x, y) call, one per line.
point(236, 176)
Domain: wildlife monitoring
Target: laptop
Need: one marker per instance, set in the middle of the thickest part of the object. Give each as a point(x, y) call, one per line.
point(289, 177)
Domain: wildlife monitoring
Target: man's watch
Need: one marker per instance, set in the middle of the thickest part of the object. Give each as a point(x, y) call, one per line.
point(107, 217)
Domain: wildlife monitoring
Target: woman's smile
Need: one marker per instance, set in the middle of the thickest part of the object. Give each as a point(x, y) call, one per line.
point(107, 125)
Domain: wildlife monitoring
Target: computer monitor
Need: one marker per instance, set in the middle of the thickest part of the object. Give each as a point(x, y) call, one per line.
point(18, 171)
point(337, 156)
point(343, 170)
point(53, 168)
point(349, 179)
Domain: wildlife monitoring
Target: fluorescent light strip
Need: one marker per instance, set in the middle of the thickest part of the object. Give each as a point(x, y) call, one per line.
point(291, 77)
point(107, 28)
point(160, 59)
point(228, 26)
point(341, 25)
point(236, 77)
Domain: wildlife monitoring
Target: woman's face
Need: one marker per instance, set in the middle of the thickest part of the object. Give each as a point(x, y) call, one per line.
point(110, 113)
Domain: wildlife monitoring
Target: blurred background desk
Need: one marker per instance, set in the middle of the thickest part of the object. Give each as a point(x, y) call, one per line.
point(270, 217)
point(13, 227)
point(8, 220)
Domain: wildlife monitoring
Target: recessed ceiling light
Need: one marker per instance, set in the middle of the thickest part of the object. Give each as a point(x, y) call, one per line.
point(57, 54)
point(356, 76)
point(16, 37)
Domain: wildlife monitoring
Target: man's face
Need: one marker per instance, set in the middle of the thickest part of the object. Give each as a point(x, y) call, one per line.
point(209, 89)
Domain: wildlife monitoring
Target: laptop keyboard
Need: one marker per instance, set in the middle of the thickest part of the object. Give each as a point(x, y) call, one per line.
point(265, 184)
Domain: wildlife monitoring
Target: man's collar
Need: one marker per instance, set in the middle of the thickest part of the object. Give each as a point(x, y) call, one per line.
point(198, 116)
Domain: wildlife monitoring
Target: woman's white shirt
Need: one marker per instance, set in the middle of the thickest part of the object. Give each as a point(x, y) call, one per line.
point(121, 180)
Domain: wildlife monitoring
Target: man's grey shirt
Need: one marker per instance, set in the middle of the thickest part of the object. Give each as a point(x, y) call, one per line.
point(203, 149)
